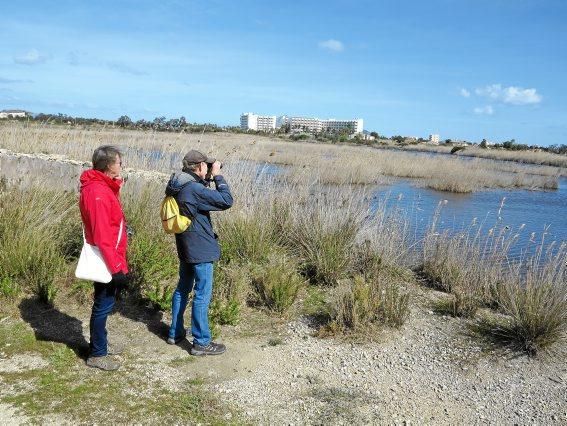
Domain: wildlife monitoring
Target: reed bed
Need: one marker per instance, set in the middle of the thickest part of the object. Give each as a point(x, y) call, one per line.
point(285, 235)
point(329, 164)
point(527, 157)
point(527, 295)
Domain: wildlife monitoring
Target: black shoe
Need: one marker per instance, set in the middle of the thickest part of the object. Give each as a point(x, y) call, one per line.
point(210, 349)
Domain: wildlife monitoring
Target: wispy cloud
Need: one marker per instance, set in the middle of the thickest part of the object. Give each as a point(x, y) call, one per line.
point(122, 67)
point(33, 57)
point(332, 45)
point(485, 110)
point(465, 93)
point(12, 80)
point(510, 95)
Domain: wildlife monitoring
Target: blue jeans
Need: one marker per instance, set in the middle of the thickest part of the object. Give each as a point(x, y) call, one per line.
point(104, 298)
point(197, 277)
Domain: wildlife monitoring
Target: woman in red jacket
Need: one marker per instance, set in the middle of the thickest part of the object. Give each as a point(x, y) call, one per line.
point(105, 227)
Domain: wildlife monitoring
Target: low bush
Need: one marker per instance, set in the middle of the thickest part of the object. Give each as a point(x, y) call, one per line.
point(533, 304)
point(246, 238)
point(457, 305)
point(361, 302)
point(325, 246)
point(277, 282)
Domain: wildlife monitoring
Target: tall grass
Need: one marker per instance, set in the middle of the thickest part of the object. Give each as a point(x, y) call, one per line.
point(328, 164)
point(281, 232)
point(529, 293)
point(34, 243)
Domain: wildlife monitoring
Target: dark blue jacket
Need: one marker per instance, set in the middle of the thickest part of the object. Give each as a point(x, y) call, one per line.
point(198, 243)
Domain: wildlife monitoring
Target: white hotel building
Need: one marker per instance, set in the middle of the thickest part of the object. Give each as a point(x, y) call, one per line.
point(250, 121)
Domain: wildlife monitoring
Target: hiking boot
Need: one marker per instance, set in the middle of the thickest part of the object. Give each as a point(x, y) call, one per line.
point(103, 362)
point(176, 340)
point(115, 349)
point(210, 349)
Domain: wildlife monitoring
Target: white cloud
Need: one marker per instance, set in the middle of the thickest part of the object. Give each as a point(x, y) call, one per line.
point(485, 110)
point(465, 93)
point(332, 45)
point(510, 95)
point(32, 57)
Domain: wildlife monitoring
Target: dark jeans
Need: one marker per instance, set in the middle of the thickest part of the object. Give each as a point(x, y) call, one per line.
point(104, 298)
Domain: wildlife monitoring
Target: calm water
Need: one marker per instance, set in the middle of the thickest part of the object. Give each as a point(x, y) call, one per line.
point(538, 211)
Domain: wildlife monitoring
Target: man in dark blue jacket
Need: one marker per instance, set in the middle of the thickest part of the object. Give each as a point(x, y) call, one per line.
point(197, 247)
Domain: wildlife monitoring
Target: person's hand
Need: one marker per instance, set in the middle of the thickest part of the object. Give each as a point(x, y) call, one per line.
point(215, 169)
point(121, 279)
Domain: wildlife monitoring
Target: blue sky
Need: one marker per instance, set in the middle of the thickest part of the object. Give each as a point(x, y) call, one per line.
point(466, 69)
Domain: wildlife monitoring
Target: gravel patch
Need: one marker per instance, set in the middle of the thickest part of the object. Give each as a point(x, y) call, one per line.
point(427, 373)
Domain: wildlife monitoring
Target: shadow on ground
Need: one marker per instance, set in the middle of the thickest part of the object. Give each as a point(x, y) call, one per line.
point(131, 308)
point(51, 325)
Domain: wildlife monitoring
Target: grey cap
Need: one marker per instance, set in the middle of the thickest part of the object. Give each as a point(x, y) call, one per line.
point(194, 157)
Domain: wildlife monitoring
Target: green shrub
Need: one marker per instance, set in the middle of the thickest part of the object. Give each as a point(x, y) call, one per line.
point(534, 318)
point(231, 287)
point(159, 296)
point(32, 222)
point(8, 287)
point(225, 312)
point(355, 304)
point(395, 304)
point(246, 238)
point(276, 284)
point(361, 302)
point(152, 256)
point(325, 247)
point(458, 304)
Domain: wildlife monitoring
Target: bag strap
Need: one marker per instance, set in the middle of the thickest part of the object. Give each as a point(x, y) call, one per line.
point(119, 234)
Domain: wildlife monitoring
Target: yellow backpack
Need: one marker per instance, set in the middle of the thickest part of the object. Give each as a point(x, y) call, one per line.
point(172, 221)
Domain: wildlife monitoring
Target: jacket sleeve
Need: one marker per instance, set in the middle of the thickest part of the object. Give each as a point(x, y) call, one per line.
point(105, 235)
point(215, 200)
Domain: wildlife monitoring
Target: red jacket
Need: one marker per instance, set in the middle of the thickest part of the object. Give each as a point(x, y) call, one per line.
point(101, 213)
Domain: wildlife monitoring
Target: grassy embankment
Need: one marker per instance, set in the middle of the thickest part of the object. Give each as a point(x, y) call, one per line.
point(330, 164)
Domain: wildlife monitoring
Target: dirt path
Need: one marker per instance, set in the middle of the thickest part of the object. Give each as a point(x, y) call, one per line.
point(429, 372)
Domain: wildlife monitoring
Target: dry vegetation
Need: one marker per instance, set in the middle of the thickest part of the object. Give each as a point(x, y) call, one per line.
point(527, 157)
point(327, 164)
point(291, 233)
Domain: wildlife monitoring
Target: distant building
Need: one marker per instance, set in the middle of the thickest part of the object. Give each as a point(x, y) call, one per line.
point(281, 121)
point(434, 139)
point(312, 125)
point(367, 136)
point(12, 113)
point(251, 121)
point(332, 125)
point(316, 125)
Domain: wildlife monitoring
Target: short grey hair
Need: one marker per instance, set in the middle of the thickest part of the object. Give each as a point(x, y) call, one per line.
point(190, 167)
point(104, 156)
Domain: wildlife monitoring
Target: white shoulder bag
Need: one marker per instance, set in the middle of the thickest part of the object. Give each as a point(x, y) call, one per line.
point(91, 265)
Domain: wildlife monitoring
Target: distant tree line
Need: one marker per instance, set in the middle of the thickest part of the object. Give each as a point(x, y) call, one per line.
point(161, 124)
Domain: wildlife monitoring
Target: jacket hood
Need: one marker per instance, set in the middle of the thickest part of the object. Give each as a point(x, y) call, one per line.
point(177, 181)
point(91, 176)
